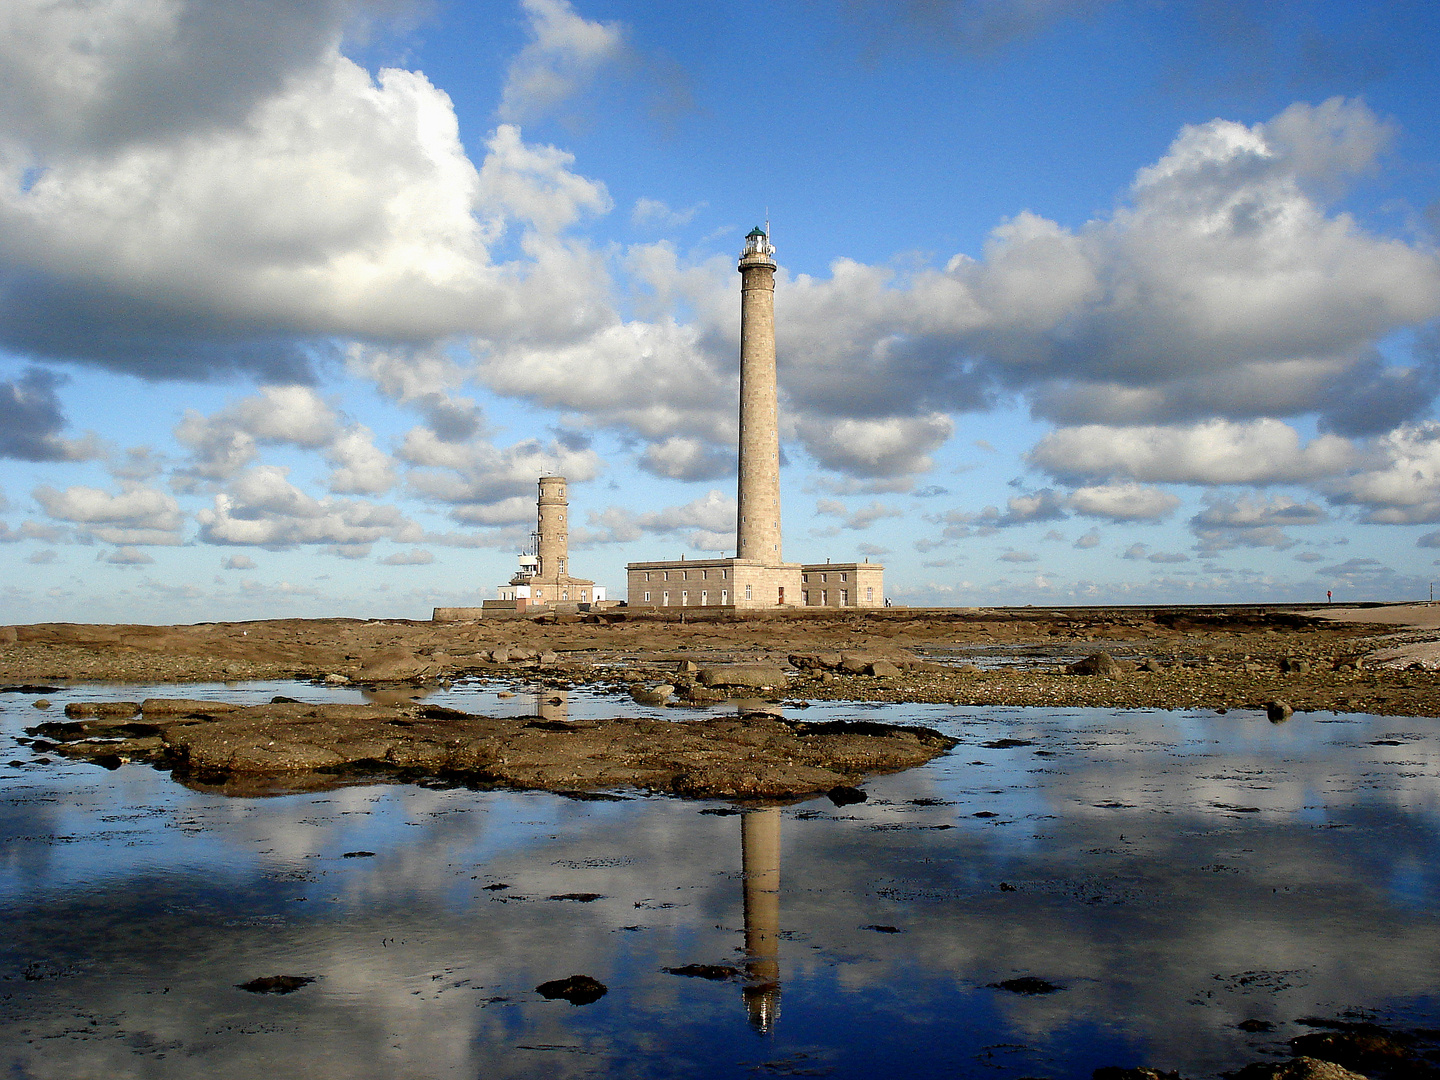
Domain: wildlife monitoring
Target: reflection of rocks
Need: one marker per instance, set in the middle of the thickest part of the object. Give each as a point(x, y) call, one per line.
point(1026, 984)
point(756, 756)
point(713, 972)
point(276, 984)
point(577, 990)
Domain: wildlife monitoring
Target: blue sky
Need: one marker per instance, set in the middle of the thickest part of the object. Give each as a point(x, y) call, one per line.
point(1079, 301)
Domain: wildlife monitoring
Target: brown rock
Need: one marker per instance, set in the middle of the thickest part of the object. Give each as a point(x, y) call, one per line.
point(184, 707)
point(1100, 663)
point(78, 710)
point(655, 695)
point(881, 669)
point(394, 665)
point(744, 676)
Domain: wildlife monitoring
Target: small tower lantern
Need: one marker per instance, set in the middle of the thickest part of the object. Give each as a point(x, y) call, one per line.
point(757, 247)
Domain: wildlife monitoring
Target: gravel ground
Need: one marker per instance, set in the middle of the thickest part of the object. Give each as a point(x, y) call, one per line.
point(1379, 659)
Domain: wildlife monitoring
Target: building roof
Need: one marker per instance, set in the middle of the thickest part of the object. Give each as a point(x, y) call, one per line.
point(756, 231)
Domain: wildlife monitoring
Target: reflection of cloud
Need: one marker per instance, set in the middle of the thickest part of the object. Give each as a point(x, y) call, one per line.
point(1130, 902)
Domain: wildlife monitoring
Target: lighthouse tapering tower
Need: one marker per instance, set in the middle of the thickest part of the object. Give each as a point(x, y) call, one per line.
point(757, 578)
point(757, 526)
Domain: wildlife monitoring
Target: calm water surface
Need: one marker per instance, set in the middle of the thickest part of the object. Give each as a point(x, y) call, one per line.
point(1172, 874)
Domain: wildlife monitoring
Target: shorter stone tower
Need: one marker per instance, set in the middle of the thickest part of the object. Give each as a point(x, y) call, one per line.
point(544, 580)
point(552, 534)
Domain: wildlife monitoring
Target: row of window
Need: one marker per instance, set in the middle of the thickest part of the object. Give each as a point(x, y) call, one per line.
point(806, 577)
point(821, 597)
point(539, 594)
point(704, 597)
point(685, 575)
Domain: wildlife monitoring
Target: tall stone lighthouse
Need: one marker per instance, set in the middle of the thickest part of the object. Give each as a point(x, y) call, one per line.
point(758, 576)
point(757, 532)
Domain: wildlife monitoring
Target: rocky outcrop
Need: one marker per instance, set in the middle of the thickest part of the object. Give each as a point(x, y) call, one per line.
point(757, 756)
point(184, 707)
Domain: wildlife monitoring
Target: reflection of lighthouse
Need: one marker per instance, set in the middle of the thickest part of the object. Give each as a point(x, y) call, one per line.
point(551, 704)
point(760, 851)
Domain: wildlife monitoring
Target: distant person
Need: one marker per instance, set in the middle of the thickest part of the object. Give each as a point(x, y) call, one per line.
point(1327, 596)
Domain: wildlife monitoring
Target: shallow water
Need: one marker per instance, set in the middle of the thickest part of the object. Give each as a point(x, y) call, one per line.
point(1172, 873)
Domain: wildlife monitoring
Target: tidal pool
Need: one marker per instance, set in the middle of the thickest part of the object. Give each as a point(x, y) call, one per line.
point(1164, 875)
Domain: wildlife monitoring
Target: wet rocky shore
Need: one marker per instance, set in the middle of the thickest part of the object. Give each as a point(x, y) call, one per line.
point(1165, 658)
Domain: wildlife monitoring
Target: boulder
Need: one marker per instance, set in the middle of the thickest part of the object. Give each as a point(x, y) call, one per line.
point(1100, 663)
point(745, 676)
point(8, 635)
point(1153, 666)
point(394, 665)
point(549, 658)
point(855, 665)
point(815, 661)
point(882, 669)
point(655, 695)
